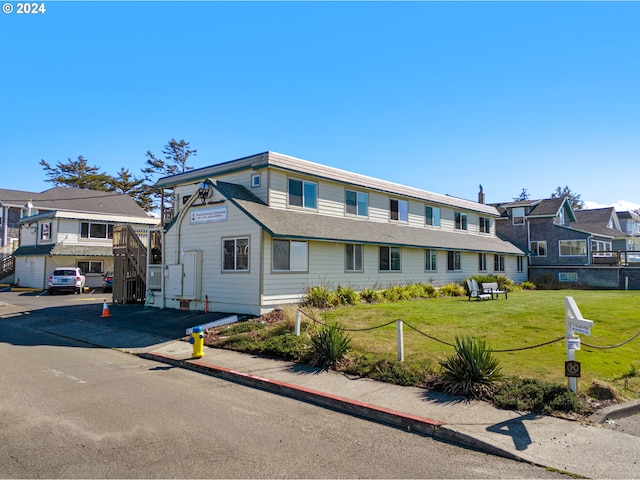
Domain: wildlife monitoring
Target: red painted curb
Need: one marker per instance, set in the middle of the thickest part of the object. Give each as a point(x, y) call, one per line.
point(355, 407)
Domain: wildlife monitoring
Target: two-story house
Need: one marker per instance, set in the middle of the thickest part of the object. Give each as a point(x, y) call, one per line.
point(252, 234)
point(630, 224)
point(14, 204)
point(72, 227)
point(576, 247)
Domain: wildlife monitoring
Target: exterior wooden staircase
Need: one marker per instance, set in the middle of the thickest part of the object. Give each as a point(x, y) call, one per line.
point(129, 266)
point(7, 266)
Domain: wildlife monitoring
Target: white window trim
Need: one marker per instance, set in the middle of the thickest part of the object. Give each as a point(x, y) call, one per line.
point(513, 215)
point(560, 242)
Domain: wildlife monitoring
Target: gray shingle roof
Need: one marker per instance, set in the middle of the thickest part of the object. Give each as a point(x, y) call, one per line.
point(595, 221)
point(64, 250)
point(285, 223)
point(75, 200)
point(305, 167)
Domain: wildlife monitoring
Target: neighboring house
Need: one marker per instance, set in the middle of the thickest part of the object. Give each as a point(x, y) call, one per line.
point(580, 246)
point(72, 227)
point(14, 204)
point(630, 224)
point(254, 233)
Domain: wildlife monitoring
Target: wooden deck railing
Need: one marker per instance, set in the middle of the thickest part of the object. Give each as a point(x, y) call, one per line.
point(629, 258)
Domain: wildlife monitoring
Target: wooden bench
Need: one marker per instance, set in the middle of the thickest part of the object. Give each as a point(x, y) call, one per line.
point(492, 288)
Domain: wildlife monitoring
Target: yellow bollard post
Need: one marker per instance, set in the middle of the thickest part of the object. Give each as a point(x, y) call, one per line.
point(197, 340)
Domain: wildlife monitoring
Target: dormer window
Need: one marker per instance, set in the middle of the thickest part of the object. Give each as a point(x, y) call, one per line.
point(517, 215)
point(561, 216)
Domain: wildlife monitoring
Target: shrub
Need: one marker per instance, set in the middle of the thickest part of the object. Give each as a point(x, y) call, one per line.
point(537, 396)
point(527, 285)
point(428, 290)
point(288, 347)
point(453, 290)
point(319, 296)
point(347, 296)
point(471, 370)
point(370, 295)
point(330, 345)
point(387, 370)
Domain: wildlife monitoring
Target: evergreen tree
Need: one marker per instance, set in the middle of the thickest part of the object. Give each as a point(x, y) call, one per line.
point(77, 174)
point(524, 195)
point(176, 155)
point(574, 199)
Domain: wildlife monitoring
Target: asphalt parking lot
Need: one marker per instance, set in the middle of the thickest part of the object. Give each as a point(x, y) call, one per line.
point(81, 316)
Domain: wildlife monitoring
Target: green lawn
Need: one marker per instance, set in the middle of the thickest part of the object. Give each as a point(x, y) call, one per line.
point(526, 319)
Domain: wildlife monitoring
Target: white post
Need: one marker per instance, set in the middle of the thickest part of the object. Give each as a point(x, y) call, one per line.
point(297, 329)
point(574, 323)
point(400, 340)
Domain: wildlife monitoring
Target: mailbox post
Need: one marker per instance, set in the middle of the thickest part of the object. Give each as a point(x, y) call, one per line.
point(574, 323)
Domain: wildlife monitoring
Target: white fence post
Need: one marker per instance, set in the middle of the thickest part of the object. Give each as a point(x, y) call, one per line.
point(400, 340)
point(297, 329)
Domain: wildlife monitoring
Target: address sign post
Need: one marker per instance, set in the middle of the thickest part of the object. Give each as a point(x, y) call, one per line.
point(574, 323)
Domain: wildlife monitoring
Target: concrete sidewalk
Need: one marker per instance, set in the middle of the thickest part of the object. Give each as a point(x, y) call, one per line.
point(585, 449)
point(579, 448)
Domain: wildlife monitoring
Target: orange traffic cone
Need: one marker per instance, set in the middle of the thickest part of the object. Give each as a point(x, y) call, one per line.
point(105, 310)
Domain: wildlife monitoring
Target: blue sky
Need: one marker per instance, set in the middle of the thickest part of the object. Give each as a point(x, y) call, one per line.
point(442, 96)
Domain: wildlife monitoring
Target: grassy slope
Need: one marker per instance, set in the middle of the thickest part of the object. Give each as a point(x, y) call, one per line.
point(527, 318)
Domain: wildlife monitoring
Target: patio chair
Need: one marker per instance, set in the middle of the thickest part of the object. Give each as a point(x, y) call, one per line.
point(476, 292)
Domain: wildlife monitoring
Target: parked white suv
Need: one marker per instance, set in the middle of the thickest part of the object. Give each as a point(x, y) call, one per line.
point(68, 279)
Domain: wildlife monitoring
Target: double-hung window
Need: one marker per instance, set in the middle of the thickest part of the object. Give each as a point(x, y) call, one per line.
point(460, 220)
point(430, 264)
point(45, 231)
point(96, 230)
point(485, 225)
point(482, 262)
point(353, 257)
point(357, 203)
point(520, 266)
point(454, 261)
point(399, 210)
point(303, 193)
point(235, 254)
point(538, 248)
point(573, 248)
point(517, 215)
point(289, 256)
point(432, 216)
point(498, 263)
point(389, 259)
